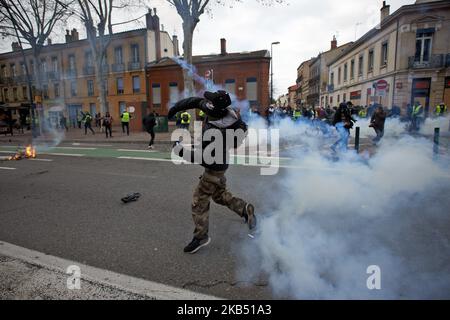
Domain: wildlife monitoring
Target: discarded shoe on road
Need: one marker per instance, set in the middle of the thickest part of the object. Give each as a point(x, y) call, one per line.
point(131, 197)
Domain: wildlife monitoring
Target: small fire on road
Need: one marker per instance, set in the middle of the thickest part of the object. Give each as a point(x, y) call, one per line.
point(28, 153)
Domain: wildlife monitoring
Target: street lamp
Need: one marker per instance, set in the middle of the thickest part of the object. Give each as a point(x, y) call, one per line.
point(271, 71)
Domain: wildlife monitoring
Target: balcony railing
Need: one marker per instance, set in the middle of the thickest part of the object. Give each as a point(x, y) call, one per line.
point(435, 61)
point(89, 70)
point(134, 66)
point(71, 73)
point(118, 67)
point(53, 75)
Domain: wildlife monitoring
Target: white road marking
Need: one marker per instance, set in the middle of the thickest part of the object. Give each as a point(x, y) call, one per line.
point(148, 289)
point(155, 159)
point(130, 150)
point(40, 159)
point(1, 151)
point(92, 144)
point(74, 148)
point(7, 168)
point(63, 154)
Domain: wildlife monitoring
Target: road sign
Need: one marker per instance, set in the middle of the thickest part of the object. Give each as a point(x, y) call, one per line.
point(382, 85)
point(131, 109)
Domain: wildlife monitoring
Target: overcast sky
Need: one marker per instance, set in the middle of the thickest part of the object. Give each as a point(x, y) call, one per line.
point(303, 27)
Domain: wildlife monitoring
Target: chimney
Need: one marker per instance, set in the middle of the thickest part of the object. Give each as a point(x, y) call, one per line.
point(176, 49)
point(15, 46)
point(223, 46)
point(384, 11)
point(333, 43)
point(149, 19)
point(157, 35)
point(75, 35)
point(49, 42)
point(68, 36)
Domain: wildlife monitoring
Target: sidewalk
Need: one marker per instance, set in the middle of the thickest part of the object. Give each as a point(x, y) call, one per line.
point(30, 275)
point(75, 135)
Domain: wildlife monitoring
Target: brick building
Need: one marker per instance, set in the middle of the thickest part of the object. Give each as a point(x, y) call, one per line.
point(243, 74)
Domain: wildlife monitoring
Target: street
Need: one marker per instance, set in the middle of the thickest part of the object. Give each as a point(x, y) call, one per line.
point(70, 207)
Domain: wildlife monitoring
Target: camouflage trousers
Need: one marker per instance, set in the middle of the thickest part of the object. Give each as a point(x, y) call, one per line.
point(213, 184)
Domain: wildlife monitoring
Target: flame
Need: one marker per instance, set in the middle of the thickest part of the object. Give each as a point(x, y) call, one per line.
point(29, 152)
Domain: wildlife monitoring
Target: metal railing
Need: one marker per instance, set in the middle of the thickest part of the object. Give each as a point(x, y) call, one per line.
point(134, 66)
point(88, 70)
point(434, 61)
point(118, 67)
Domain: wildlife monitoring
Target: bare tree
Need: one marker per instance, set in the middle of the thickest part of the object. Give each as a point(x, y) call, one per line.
point(190, 12)
point(31, 22)
point(96, 17)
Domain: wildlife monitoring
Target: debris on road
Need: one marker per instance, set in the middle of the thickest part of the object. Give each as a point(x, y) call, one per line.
point(131, 197)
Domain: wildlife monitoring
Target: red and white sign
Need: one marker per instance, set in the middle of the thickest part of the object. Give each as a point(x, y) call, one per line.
point(382, 85)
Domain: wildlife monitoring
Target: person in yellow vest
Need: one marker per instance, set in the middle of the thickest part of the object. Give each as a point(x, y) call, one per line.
point(297, 114)
point(185, 120)
point(362, 113)
point(441, 109)
point(125, 116)
point(417, 114)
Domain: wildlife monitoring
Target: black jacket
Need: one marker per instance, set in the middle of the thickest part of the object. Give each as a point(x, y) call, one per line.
point(149, 122)
point(221, 164)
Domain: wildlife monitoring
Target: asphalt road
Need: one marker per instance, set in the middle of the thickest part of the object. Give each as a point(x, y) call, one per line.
point(70, 207)
point(66, 203)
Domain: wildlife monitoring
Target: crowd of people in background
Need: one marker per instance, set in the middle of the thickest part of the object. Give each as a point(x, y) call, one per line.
point(343, 116)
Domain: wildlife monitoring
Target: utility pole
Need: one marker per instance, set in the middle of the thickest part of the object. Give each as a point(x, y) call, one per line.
point(271, 70)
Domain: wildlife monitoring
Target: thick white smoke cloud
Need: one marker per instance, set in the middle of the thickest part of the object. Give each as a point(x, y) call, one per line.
point(332, 219)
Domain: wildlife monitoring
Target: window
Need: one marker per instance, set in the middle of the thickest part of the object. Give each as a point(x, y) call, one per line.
point(55, 67)
point(339, 76)
point(4, 72)
point(23, 69)
point(119, 85)
point(230, 86)
point(25, 93)
point(6, 94)
point(135, 53)
point(370, 62)
point(339, 98)
point(136, 84)
point(122, 107)
point(73, 88)
point(56, 88)
point(345, 72)
point(89, 61)
point(118, 57)
point(384, 54)
point(252, 89)
point(344, 96)
point(92, 109)
point(44, 66)
point(332, 79)
point(360, 65)
point(15, 96)
point(13, 70)
point(352, 69)
point(45, 91)
point(156, 94)
point(173, 93)
point(105, 85)
point(72, 65)
point(423, 45)
point(90, 87)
